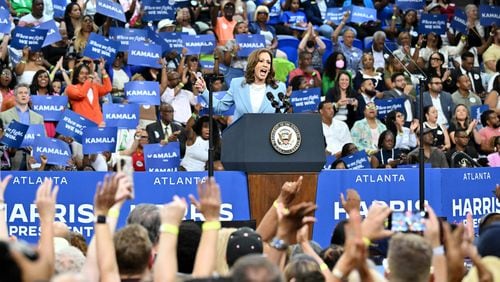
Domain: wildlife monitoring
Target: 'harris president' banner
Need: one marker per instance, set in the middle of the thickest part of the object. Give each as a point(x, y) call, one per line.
point(4, 21)
point(489, 15)
point(50, 107)
point(357, 160)
point(14, 134)
point(56, 151)
point(143, 92)
point(385, 106)
point(26, 36)
point(34, 132)
point(410, 4)
point(162, 158)
point(76, 193)
point(432, 23)
point(218, 95)
point(99, 139)
point(305, 100)
point(99, 46)
point(111, 9)
point(59, 7)
point(336, 14)
point(174, 40)
point(249, 42)
point(199, 44)
point(459, 22)
point(127, 35)
point(157, 10)
point(363, 14)
point(121, 115)
point(53, 34)
point(144, 54)
point(72, 124)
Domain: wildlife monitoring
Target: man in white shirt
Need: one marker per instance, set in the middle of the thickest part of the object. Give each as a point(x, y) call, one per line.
point(36, 17)
point(179, 98)
point(336, 132)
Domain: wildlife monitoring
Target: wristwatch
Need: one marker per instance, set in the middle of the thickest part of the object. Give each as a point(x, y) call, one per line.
point(278, 244)
point(100, 219)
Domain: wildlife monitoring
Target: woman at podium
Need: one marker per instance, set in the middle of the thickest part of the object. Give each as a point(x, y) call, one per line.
point(256, 92)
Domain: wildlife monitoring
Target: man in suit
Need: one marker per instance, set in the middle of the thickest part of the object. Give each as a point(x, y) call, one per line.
point(398, 91)
point(165, 130)
point(21, 113)
point(467, 68)
point(441, 100)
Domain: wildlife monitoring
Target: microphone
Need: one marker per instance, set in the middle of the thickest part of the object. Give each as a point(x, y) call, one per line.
point(275, 104)
point(286, 101)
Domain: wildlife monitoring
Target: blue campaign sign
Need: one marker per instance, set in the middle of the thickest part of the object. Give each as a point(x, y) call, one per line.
point(357, 160)
point(4, 21)
point(305, 100)
point(127, 35)
point(489, 15)
point(99, 139)
point(50, 107)
point(363, 14)
point(157, 10)
point(398, 188)
point(336, 14)
point(53, 34)
point(99, 46)
point(174, 40)
point(410, 4)
point(34, 132)
point(14, 134)
point(469, 190)
point(459, 22)
point(249, 42)
point(76, 196)
point(477, 110)
point(72, 124)
point(143, 92)
point(26, 36)
point(219, 95)
point(385, 106)
point(121, 115)
point(144, 54)
point(199, 44)
point(432, 23)
point(162, 158)
point(156, 39)
point(56, 151)
point(59, 7)
point(329, 161)
point(111, 9)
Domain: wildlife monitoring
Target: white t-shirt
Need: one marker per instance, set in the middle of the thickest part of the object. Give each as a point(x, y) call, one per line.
point(257, 93)
point(336, 135)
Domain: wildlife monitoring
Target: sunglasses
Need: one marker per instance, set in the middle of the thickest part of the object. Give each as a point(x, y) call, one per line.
point(262, 13)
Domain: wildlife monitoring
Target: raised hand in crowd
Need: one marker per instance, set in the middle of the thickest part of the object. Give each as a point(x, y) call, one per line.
point(42, 268)
point(352, 202)
point(4, 235)
point(373, 227)
point(454, 253)
point(303, 240)
point(208, 203)
point(171, 218)
point(433, 236)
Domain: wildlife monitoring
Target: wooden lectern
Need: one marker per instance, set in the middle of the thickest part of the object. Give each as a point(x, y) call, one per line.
point(267, 165)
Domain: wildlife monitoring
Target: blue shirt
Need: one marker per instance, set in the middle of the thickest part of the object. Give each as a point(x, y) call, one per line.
point(352, 55)
point(24, 117)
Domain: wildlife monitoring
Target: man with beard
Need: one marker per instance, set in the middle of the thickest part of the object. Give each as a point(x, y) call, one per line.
point(461, 160)
point(491, 128)
point(398, 91)
point(368, 94)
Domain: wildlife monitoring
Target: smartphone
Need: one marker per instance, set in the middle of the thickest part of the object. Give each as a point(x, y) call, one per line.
point(407, 221)
point(124, 164)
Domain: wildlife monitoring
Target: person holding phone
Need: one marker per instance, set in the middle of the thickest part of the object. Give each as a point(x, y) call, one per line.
point(256, 92)
point(84, 92)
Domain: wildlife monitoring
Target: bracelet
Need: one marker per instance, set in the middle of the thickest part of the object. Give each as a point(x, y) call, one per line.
point(22, 62)
point(323, 266)
point(338, 274)
point(417, 46)
point(169, 228)
point(105, 76)
point(275, 204)
point(467, 131)
point(438, 251)
point(181, 85)
point(114, 213)
point(463, 37)
point(394, 17)
point(210, 225)
point(367, 241)
point(194, 116)
point(492, 34)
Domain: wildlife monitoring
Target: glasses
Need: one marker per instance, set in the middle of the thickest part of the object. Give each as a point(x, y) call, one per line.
point(6, 74)
point(262, 13)
point(193, 59)
point(371, 107)
point(435, 59)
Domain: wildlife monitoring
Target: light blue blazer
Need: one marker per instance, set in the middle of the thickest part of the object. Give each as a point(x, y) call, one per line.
point(238, 94)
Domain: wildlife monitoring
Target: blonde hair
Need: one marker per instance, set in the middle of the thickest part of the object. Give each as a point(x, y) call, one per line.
point(221, 266)
point(260, 8)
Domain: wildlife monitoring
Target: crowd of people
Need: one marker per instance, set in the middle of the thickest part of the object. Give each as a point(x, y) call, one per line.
point(461, 70)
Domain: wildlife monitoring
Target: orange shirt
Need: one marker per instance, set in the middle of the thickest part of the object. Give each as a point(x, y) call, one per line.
point(80, 103)
point(224, 30)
